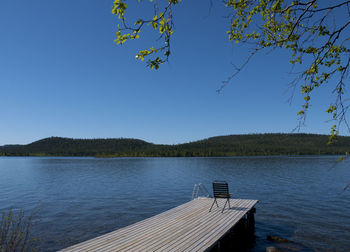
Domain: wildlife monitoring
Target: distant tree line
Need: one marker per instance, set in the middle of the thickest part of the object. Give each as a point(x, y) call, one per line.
point(232, 145)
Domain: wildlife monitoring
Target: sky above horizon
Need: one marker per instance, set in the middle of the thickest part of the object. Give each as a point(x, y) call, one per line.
point(61, 74)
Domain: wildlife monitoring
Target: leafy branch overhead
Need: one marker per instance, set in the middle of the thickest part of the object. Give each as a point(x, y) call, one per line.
point(314, 32)
point(162, 21)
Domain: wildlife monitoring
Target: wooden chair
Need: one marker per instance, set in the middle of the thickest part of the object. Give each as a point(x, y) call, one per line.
point(220, 190)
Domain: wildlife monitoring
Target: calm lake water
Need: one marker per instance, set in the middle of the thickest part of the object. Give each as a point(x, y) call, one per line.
point(300, 198)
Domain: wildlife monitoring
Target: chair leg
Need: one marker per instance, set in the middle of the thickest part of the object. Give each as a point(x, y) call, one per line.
point(224, 207)
point(229, 203)
point(216, 203)
point(213, 204)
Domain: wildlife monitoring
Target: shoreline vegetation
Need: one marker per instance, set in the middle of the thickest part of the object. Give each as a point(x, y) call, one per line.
point(16, 231)
point(219, 146)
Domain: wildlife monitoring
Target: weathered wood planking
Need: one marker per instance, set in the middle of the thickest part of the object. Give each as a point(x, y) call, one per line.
point(189, 227)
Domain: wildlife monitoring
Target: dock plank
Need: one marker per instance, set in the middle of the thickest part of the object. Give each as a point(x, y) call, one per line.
point(188, 227)
point(210, 223)
point(130, 231)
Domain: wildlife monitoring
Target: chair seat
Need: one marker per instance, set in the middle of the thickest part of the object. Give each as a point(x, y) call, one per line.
point(223, 195)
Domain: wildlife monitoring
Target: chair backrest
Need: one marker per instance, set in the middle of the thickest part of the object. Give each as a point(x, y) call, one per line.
point(220, 189)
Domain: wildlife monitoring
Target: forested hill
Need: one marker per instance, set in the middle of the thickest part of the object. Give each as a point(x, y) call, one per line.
point(232, 145)
point(58, 146)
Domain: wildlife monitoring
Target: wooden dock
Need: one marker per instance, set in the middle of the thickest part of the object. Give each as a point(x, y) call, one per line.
point(188, 227)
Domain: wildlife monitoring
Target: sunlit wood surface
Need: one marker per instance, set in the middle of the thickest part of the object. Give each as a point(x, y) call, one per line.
point(188, 227)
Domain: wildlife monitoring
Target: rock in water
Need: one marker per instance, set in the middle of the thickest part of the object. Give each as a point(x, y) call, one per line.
point(284, 244)
point(278, 239)
point(271, 249)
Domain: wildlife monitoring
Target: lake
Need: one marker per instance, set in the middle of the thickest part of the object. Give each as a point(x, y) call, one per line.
point(300, 198)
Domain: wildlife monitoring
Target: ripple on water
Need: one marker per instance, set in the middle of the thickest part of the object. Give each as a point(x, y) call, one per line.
point(301, 198)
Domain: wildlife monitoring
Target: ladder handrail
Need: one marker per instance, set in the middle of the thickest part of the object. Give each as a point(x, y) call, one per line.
point(199, 188)
point(194, 189)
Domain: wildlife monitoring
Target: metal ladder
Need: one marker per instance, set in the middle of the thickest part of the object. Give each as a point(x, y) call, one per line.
point(200, 188)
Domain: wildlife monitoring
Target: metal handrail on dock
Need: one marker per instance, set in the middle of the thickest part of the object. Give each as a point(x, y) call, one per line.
point(200, 188)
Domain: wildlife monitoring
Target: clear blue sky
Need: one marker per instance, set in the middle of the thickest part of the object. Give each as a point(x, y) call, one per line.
point(61, 74)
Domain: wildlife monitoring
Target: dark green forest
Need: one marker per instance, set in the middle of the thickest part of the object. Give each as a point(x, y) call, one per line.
point(231, 145)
